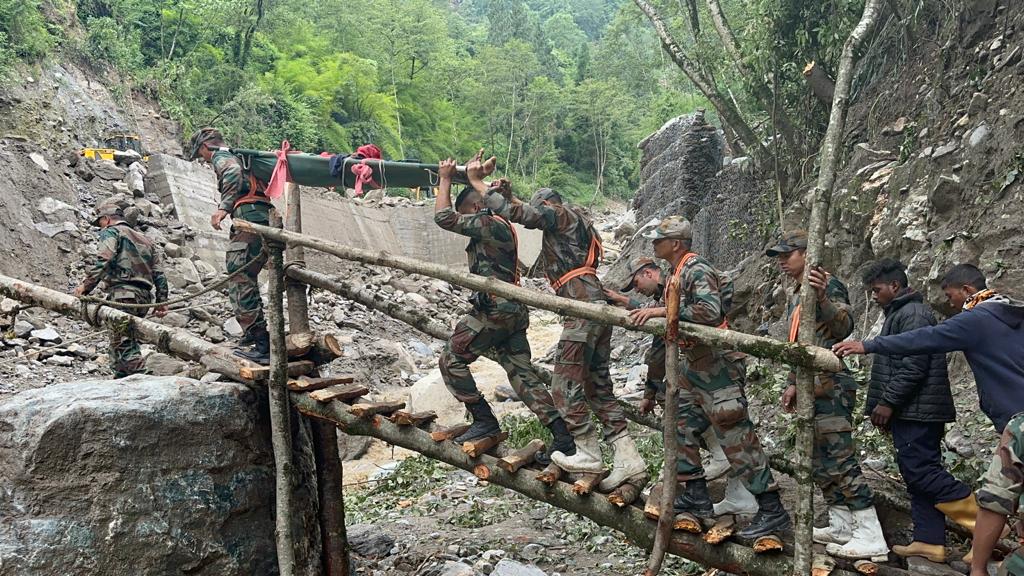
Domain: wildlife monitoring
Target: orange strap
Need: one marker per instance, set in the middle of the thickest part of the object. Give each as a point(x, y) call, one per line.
point(589, 268)
point(679, 272)
point(515, 239)
point(254, 195)
point(794, 324)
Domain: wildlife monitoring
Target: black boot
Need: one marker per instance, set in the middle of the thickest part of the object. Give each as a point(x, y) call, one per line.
point(484, 422)
point(694, 499)
point(771, 517)
point(260, 352)
point(562, 442)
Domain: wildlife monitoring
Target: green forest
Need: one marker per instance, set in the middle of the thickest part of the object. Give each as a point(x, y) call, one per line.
point(560, 91)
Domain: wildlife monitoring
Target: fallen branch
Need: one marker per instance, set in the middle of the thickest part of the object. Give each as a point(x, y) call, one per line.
point(790, 353)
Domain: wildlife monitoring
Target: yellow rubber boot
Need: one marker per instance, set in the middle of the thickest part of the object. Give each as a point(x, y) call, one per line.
point(962, 511)
point(933, 552)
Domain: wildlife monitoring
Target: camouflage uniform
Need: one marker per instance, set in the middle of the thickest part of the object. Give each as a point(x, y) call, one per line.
point(1003, 485)
point(836, 470)
point(245, 249)
point(494, 322)
point(711, 394)
point(130, 267)
point(581, 374)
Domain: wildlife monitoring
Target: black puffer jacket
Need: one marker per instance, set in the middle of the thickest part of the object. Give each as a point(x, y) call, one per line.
point(917, 387)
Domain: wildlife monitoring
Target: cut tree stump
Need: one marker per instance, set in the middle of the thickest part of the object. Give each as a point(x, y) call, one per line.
point(373, 408)
point(308, 384)
point(687, 523)
point(480, 446)
point(482, 471)
point(587, 483)
point(628, 493)
point(448, 433)
point(723, 528)
point(550, 475)
point(651, 510)
point(325, 347)
point(342, 392)
point(405, 418)
point(866, 567)
point(256, 372)
point(525, 455)
point(769, 543)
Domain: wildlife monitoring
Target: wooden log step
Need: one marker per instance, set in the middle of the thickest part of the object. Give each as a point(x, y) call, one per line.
point(651, 510)
point(587, 483)
point(256, 372)
point(406, 418)
point(868, 567)
point(525, 455)
point(373, 408)
point(628, 493)
point(308, 384)
point(448, 433)
point(482, 471)
point(687, 523)
point(479, 446)
point(723, 528)
point(550, 474)
point(326, 346)
point(769, 543)
point(342, 392)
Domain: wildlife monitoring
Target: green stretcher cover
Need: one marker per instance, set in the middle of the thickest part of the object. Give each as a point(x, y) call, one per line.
point(314, 170)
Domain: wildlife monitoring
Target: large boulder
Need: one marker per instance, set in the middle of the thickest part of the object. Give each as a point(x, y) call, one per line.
point(144, 475)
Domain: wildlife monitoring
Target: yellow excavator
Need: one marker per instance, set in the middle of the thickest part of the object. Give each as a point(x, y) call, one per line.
point(113, 144)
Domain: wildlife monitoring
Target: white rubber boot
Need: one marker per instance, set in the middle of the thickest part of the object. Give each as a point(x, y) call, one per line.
point(628, 463)
point(587, 457)
point(839, 529)
point(867, 540)
point(717, 465)
point(737, 500)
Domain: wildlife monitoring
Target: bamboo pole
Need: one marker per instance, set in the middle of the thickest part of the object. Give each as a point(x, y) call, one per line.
point(790, 353)
point(666, 520)
point(325, 437)
point(280, 411)
point(804, 554)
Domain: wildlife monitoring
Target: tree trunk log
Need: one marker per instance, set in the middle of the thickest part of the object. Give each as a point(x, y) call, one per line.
point(790, 353)
point(341, 392)
point(442, 434)
point(178, 342)
point(630, 520)
point(668, 471)
point(374, 408)
point(550, 475)
point(280, 412)
point(587, 483)
point(479, 447)
point(325, 346)
point(403, 418)
point(830, 149)
point(307, 384)
point(819, 82)
point(325, 445)
point(522, 457)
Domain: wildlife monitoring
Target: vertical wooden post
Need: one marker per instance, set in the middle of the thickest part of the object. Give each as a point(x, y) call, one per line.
point(325, 435)
point(830, 147)
point(666, 517)
point(280, 408)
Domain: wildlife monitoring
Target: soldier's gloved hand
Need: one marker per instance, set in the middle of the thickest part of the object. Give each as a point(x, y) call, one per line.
point(217, 217)
point(160, 311)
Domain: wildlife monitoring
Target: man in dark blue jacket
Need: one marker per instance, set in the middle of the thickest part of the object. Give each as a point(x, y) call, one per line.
point(990, 333)
point(909, 395)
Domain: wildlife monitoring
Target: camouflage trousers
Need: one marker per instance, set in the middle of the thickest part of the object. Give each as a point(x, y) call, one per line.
point(1003, 484)
point(244, 251)
point(125, 354)
point(711, 395)
point(836, 470)
point(581, 379)
point(505, 332)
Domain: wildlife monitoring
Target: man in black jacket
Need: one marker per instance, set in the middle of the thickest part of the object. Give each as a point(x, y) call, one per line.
point(909, 395)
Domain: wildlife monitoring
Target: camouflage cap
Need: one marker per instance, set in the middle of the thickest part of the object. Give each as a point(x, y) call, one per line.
point(544, 194)
point(636, 265)
point(107, 208)
point(200, 137)
point(671, 228)
point(790, 241)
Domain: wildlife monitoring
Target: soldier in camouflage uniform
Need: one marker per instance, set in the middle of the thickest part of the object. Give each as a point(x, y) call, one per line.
point(853, 530)
point(130, 267)
point(570, 253)
point(999, 498)
point(241, 198)
point(713, 383)
point(494, 322)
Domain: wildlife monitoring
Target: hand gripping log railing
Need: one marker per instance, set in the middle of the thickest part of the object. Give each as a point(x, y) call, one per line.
point(789, 353)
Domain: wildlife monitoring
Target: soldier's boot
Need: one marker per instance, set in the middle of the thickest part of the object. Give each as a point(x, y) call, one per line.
point(587, 458)
point(717, 465)
point(484, 422)
point(932, 552)
point(561, 442)
point(627, 464)
point(771, 517)
point(260, 352)
point(839, 529)
point(737, 500)
point(962, 511)
point(694, 499)
point(867, 540)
